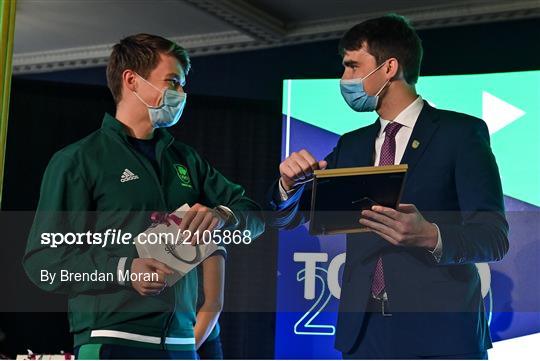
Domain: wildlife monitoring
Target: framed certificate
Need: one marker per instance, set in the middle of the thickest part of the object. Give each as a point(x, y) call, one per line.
point(339, 196)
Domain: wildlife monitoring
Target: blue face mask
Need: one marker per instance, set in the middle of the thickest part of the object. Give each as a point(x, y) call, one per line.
point(354, 94)
point(170, 110)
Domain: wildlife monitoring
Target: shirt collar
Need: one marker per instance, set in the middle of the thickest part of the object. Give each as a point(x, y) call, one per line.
point(407, 117)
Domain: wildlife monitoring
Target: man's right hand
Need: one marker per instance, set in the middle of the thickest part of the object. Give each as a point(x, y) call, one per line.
point(149, 266)
point(298, 168)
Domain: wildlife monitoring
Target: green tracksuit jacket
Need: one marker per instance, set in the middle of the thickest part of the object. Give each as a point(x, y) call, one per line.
point(100, 183)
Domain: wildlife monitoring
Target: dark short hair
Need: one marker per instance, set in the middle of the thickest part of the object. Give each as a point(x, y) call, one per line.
point(389, 36)
point(140, 53)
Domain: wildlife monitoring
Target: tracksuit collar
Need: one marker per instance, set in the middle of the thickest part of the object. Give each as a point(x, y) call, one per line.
point(112, 124)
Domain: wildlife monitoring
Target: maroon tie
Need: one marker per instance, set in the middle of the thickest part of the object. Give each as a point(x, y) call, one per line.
point(387, 157)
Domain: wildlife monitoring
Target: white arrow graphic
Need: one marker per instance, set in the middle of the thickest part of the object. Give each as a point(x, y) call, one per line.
point(497, 113)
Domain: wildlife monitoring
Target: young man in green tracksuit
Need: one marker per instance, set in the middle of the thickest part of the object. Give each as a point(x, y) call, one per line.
point(113, 179)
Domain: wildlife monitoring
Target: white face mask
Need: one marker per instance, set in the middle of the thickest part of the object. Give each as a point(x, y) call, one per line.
point(170, 110)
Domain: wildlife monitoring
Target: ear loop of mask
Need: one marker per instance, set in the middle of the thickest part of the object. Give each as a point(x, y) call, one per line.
point(152, 85)
point(384, 85)
point(356, 80)
point(373, 71)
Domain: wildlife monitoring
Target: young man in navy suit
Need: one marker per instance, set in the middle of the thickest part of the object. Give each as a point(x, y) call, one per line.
point(410, 288)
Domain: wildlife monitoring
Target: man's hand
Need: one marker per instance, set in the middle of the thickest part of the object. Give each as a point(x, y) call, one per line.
point(298, 168)
point(143, 266)
point(200, 218)
point(402, 227)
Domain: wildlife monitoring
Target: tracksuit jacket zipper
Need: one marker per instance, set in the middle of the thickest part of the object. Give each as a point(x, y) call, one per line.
point(152, 172)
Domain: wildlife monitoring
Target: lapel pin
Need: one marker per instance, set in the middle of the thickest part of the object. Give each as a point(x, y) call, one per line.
point(415, 144)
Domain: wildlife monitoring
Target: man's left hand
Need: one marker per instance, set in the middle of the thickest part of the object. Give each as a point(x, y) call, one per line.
point(402, 227)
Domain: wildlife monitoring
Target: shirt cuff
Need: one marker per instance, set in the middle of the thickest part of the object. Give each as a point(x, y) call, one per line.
point(437, 251)
point(283, 194)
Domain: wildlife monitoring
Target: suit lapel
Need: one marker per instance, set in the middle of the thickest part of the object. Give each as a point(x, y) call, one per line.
point(423, 130)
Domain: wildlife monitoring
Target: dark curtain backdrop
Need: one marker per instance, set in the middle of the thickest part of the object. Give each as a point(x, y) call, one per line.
point(241, 138)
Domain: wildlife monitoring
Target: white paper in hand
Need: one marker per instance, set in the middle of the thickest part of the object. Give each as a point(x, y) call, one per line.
point(164, 243)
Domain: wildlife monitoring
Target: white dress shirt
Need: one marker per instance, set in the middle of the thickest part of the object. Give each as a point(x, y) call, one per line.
point(407, 118)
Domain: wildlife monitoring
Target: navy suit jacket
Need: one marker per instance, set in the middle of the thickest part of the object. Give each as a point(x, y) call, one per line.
point(453, 179)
